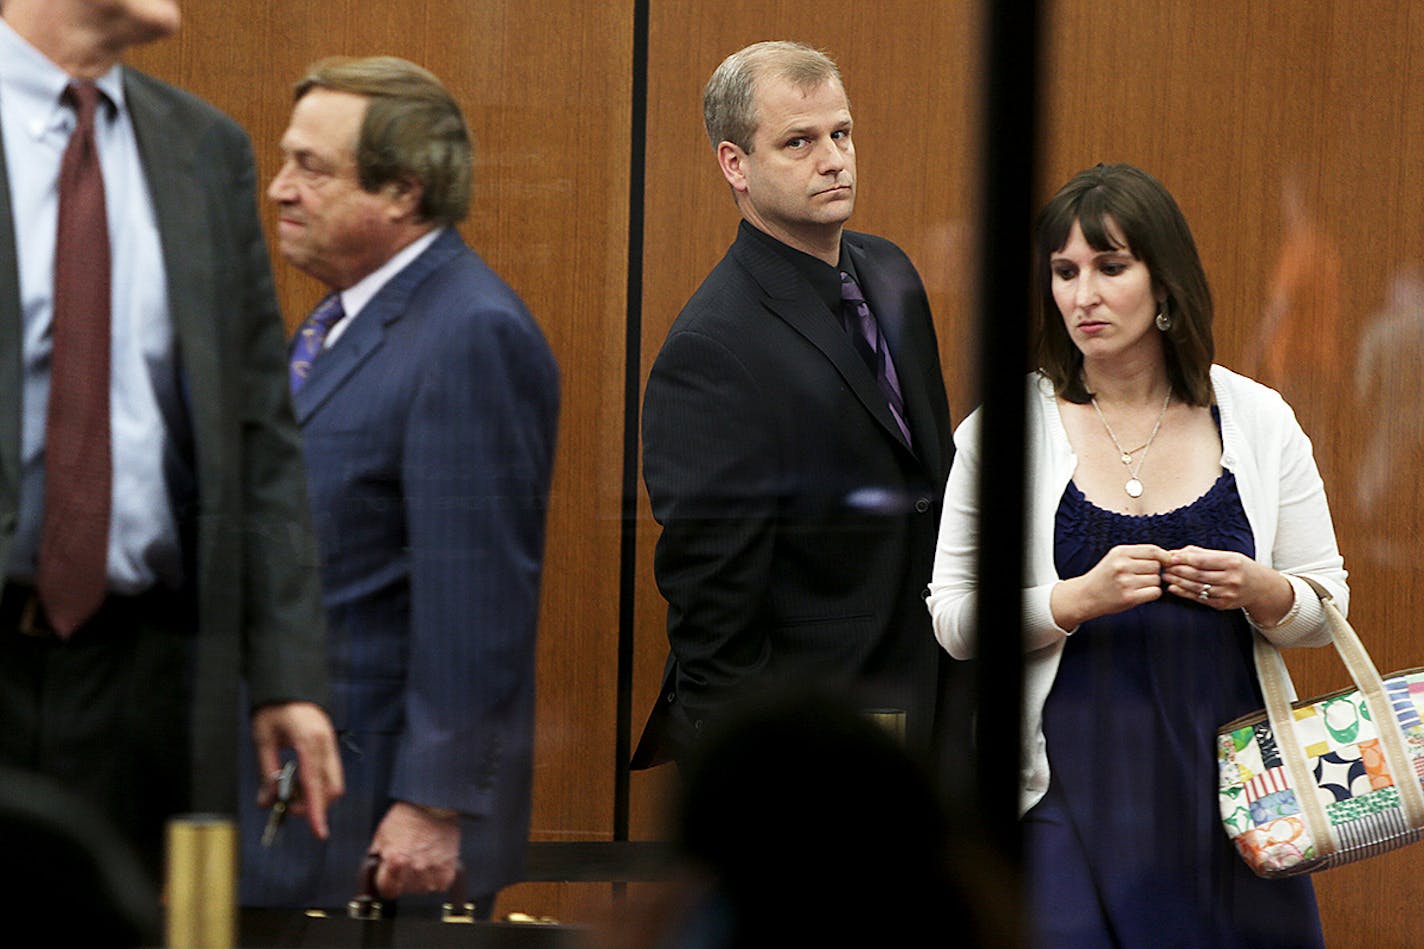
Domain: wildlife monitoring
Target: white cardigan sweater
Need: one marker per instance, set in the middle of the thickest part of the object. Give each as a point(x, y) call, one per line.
point(1281, 491)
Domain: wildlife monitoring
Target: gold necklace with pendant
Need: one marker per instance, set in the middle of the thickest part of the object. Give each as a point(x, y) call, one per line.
point(1133, 487)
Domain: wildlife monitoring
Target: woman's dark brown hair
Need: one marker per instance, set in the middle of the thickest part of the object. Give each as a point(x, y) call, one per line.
point(1122, 207)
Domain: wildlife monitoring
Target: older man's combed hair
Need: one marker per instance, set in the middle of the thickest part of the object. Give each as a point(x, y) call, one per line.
point(413, 130)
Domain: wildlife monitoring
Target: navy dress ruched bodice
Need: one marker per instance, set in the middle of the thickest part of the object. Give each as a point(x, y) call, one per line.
point(1127, 849)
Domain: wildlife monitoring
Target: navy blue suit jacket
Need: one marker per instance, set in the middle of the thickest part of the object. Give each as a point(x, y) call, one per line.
point(798, 527)
point(429, 431)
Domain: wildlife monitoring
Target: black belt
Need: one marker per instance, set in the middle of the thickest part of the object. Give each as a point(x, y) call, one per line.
point(20, 609)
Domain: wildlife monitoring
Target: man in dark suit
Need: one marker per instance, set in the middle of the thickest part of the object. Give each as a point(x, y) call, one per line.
point(795, 451)
point(125, 629)
point(428, 409)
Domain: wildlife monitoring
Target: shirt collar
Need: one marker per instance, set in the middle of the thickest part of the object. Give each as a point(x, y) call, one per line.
point(33, 85)
point(824, 279)
point(354, 298)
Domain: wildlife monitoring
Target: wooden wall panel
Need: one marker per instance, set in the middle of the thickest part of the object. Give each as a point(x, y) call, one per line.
point(1290, 135)
point(1293, 153)
point(547, 91)
point(915, 156)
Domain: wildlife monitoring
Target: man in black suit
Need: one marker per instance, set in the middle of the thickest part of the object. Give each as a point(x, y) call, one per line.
point(121, 654)
point(795, 447)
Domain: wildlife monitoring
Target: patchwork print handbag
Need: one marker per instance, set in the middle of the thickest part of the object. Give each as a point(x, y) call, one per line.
point(1317, 783)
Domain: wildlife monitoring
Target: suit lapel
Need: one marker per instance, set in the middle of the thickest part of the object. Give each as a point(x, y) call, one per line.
point(180, 209)
point(367, 331)
point(790, 297)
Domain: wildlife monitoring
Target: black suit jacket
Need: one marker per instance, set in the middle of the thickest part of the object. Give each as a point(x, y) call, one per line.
point(252, 566)
point(798, 528)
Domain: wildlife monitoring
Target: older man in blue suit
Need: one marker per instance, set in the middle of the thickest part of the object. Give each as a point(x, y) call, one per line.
point(428, 401)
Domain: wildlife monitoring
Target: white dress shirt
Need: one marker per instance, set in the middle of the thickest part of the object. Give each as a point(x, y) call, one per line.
point(144, 389)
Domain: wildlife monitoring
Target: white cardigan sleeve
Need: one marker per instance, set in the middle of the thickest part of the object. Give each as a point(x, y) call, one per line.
point(952, 585)
point(952, 599)
point(1285, 501)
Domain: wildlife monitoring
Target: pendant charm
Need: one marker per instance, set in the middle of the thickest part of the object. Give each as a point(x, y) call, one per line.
point(1133, 488)
point(1126, 458)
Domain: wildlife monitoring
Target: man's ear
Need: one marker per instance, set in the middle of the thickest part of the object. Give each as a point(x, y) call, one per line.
point(733, 162)
point(404, 195)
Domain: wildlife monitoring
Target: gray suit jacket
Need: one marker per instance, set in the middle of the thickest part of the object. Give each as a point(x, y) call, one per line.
point(251, 565)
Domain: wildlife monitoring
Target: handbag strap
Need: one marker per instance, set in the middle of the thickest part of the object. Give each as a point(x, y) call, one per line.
point(1277, 689)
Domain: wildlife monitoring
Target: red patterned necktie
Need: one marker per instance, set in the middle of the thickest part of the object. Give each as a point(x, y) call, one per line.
point(72, 575)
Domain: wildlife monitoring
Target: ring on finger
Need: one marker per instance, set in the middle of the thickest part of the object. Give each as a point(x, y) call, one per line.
point(1205, 593)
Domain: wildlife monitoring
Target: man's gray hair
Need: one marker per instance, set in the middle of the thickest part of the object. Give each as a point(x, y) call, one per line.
point(729, 101)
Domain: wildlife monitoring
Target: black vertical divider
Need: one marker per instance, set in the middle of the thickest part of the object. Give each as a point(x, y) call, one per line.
point(1009, 146)
point(632, 377)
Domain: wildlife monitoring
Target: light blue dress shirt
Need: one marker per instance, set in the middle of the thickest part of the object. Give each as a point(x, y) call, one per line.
point(144, 389)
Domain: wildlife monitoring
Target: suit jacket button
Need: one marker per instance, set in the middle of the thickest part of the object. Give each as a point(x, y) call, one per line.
point(922, 505)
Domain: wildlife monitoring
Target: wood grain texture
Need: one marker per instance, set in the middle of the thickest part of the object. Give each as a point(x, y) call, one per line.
point(546, 89)
point(1289, 133)
point(916, 162)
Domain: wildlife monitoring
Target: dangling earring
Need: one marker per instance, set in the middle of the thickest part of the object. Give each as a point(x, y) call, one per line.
point(1163, 321)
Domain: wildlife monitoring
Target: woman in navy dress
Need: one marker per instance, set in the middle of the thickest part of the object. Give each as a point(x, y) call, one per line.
point(1173, 506)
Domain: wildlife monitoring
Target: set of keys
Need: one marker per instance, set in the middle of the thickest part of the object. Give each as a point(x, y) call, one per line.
point(286, 792)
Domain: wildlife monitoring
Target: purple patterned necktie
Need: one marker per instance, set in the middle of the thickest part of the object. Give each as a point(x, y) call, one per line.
point(72, 570)
point(864, 331)
point(307, 346)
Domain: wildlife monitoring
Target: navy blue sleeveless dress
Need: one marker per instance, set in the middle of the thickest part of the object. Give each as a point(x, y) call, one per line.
point(1127, 849)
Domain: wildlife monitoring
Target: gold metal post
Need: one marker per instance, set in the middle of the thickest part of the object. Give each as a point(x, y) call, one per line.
point(202, 882)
